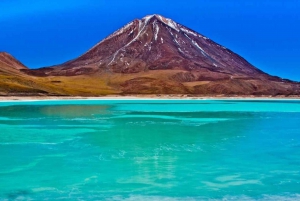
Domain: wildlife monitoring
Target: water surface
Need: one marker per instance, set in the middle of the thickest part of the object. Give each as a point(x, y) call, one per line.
point(150, 150)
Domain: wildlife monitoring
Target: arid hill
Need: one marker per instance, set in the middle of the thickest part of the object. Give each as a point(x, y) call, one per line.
point(12, 80)
point(156, 55)
point(15, 81)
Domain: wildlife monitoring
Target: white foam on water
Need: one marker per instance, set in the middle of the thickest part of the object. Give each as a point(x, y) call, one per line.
point(22, 168)
point(27, 143)
point(91, 179)
point(172, 118)
point(98, 196)
point(216, 186)
point(227, 178)
point(178, 148)
point(42, 189)
point(295, 197)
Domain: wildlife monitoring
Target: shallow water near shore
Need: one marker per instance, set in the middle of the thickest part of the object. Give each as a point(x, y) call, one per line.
point(150, 150)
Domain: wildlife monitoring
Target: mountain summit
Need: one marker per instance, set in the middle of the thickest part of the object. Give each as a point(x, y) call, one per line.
point(156, 55)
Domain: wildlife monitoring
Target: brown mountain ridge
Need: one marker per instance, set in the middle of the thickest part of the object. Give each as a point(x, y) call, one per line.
point(153, 55)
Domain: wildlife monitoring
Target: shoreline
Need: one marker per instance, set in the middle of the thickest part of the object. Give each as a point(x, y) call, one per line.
point(143, 97)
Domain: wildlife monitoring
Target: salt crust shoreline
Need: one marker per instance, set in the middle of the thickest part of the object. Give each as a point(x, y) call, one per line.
point(144, 97)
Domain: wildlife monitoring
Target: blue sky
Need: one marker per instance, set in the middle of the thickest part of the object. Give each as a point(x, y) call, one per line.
point(47, 32)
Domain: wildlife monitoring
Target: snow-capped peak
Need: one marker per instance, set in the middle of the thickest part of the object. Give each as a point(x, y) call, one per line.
point(151, 16)
point(164, 20)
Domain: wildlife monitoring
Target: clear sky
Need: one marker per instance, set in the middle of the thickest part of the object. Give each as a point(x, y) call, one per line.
point(47, 32)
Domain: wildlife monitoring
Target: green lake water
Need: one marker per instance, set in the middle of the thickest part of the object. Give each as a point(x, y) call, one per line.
point(150, 150)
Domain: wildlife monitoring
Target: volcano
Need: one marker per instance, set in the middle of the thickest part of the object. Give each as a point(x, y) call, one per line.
point(157, 43)
point(156, 55)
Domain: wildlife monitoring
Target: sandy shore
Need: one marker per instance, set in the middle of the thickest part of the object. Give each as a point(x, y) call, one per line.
point(139, 97)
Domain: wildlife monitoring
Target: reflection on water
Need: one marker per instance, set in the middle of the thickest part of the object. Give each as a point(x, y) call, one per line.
point(149, 151)
point(54, 111)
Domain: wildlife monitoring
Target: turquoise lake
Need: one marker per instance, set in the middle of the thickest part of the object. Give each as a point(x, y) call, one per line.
point(150, 150)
